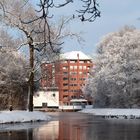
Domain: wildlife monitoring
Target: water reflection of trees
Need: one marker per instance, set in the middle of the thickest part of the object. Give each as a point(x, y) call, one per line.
point(76, 126)
point(14, 135)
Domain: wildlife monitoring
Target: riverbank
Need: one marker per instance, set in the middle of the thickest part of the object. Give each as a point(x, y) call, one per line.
point(114, 113)
point(22, 116)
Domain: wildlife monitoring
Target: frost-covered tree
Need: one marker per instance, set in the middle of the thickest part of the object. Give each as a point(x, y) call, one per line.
point(115, 81)
point(13, 79)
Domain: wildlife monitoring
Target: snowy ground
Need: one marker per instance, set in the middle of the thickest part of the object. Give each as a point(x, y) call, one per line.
point(114, 113)
point(22, 116)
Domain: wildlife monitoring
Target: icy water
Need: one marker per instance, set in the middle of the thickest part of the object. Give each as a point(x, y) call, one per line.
point(73, 126)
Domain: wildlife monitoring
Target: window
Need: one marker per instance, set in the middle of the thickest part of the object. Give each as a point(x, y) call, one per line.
point(75, 91)
point(84, 73)
point(71, 67)
point(65, 90)
point(88, 67)
point(65, 67)
point(65, 61)
point(44, 104)
point(75, 67)
point(73, 73)
point(80, 72)
point(84, 67)
point(73, 97)
point(53, 71)
point(73, 84)
point(71, 90)
point(73, 79)
point(80, 67)
point(65, 73)
point(72, 61)
point(81, 61)
point(65, 96)
point(65, 78)
point(65, 84)
point(82, 79)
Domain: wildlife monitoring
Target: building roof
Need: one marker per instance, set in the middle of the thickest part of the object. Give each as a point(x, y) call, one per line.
point(78, 100)
point(73, 55)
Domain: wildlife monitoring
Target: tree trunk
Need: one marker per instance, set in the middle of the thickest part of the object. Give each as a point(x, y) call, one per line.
point(31, 79)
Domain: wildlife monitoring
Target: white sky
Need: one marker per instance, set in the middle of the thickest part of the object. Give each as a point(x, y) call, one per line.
point(114, 15)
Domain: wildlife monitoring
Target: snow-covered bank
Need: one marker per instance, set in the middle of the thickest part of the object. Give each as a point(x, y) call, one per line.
point(114, 113)
point(22, 116)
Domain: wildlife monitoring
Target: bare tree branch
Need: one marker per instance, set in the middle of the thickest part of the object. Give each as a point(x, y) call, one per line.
point(89, 11)
point(2, 7)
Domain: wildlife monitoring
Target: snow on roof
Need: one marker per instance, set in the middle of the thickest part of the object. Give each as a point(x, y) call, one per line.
point(78, 100)
point(73, 55)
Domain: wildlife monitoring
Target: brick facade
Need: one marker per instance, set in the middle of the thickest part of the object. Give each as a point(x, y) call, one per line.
point(68, 75)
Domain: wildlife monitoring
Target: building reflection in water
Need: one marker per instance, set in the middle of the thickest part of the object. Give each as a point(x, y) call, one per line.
point(49, 131)
point(69, 131)
point(56, 130)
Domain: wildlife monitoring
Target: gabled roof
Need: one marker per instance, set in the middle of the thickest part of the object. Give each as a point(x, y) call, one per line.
point(73, 55)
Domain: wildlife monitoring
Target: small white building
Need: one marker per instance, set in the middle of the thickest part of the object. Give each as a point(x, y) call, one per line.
point(46, 99)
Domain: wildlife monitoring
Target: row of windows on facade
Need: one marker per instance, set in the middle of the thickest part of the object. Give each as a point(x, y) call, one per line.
point(72, 62)
point(72, 85)
point(65, 79)
point(76, 67)
point(80, 61)
point(75, 73)
point(74, 79)
point(66, 97)
point(71, 97)
point(65, 74)
point(66, 90)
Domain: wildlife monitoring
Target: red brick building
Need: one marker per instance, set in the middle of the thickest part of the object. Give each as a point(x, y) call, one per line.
point(69, 75)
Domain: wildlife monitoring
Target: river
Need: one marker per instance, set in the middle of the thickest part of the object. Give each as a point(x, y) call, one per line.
point(73, 126)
